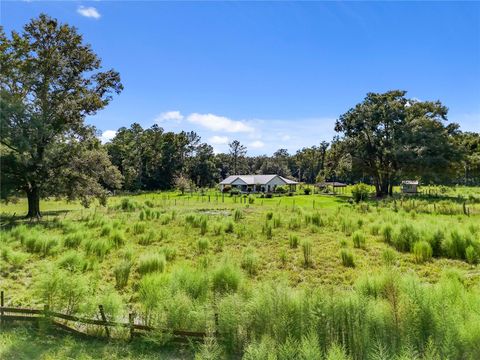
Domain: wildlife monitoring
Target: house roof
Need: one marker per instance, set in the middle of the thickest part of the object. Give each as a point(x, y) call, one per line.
point(255, 179)
point(410, 182)
point(332, 183)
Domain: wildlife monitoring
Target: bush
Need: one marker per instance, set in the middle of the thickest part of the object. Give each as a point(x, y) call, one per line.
point(307, 191)
point(360, 192)
point(307, 252)
point(347, 258)
point(422, 251)
point(358, 239)
point(225, 279)
point(283, 189)
point(151, 263)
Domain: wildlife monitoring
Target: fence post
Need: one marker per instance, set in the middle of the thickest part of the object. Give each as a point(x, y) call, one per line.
point(2, 304)
point(104, 318)
point(130, 321)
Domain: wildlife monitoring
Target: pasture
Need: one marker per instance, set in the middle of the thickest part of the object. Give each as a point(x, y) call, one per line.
point(304, 276)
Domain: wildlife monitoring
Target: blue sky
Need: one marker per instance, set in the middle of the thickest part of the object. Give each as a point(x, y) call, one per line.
point(271, 74)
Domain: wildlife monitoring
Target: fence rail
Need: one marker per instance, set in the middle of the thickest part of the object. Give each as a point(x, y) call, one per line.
point(27, 314)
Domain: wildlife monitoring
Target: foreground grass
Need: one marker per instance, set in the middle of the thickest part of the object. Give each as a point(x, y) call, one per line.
point(285, 275)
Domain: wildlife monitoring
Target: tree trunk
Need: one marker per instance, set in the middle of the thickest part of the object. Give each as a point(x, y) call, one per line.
point(33, 197)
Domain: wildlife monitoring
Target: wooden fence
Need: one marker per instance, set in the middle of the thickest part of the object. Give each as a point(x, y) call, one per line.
point(61, 320)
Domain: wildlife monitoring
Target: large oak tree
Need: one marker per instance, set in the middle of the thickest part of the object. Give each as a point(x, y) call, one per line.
point(393, 136)
point(50, 81)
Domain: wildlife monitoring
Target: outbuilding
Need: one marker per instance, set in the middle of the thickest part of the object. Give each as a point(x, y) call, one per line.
point(409, 186)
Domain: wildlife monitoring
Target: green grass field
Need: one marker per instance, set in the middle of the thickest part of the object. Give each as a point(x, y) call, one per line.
point(289, 277)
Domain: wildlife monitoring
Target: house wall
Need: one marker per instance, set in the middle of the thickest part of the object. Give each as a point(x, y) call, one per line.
point(276, 181)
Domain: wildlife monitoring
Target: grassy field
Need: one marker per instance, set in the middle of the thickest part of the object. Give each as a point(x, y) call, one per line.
point(289, 277)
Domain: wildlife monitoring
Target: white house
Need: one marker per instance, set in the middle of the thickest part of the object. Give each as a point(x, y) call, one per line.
point(257, 183)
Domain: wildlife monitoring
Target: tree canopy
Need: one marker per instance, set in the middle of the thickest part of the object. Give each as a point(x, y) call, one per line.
point(50, 81)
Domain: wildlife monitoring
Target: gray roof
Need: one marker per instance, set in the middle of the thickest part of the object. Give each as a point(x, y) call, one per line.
point(255, 179)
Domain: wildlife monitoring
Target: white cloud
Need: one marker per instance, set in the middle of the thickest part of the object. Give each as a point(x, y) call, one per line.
point(107, 135)
point(257, 144)
point(219, 123)
point(218, 140)
point(169, 115)
point(89, 12)
point(286, 137)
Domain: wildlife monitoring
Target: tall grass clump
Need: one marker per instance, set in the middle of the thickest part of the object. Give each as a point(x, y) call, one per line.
point(269, 215)
point(193, 282)
point(358, 239)
point(20, 233)
point(16, 259)
point(422, 251)
point(117, 238)
point(41, 244)
point(226, 278)
point(203, 225)
point(73, 261)
point(454, 246)
point(436, 239)
point(317, 219)
point(250, 261)
point(151, 263)
point(139, 228)
point(122, 272)
point(389, 257)
point(229, 227)
point(293, 241)
point(406, 236)
point(169, 252)
point(277, 222)
point(202, 245)
point(128, 205)
point(387, 233)
point(237, 215)
point(106, 230)
point(471, 255)
point(347, 258)
point(148, 238)
point(98, 247)
point(267, 230)
point(74, 240)
point(307, 252)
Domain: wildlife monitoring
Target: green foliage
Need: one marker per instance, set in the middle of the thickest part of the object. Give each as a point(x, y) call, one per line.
point(389, 257)
point(250, 261)
point(471, 255)
point(41, 244)
point(226, 278)
point(293, 241)
point(237, 215)
point(73, 240)
point(73, 261)
point(139, 228)
point(360, 192)
point(422, 251)
point(203, 245)
point(151, 263)
point(98, 247)
point(117, 237)
point(387, 233)
point(307, 252)
point(347, 258)
point(358, 239)
point(122, 272)
point(229, 227)
point(406, 236)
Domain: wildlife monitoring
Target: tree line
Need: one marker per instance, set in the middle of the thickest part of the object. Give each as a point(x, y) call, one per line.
point(51, 80)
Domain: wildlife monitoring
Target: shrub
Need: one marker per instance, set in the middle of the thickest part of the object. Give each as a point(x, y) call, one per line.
point(269, 215)
point(151, 263)
point(225, 279)
point(282, 189)
point(360, 192)
point(347, 258)
point(358, 239)
point(122, 273)
point(307, 252)
point(422, 251)
point(293, 241)
point(250, 262)
point(202, 245)
point(307, 191)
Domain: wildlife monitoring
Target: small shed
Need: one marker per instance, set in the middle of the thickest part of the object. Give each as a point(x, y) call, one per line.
point(333, 184)
point(409, 186)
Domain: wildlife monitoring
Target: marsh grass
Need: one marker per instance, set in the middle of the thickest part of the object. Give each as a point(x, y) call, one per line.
point(358, 239)
point(293, 241)
point(250, 261)
point(202, 245)
point(347, 258)
point(151, 263)
point(226, 278)
point(99, 247)
point(422, 251)
point(122, 272)
point(307, 252)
